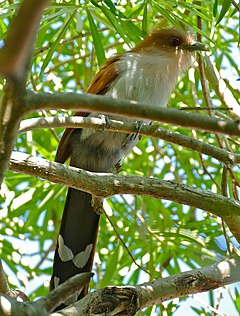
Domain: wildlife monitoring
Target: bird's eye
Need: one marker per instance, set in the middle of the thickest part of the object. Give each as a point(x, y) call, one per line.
point(174, 41)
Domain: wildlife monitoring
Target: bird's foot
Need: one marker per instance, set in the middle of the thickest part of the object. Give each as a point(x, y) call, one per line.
point(139, 125)
point(105, 121)
point(118, 167)
point(97, 204)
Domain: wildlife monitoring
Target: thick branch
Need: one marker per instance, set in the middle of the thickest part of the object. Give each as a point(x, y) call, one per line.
point(14, 62)
point(10, 306)
point(130, 127)
point(104, 185)
point(9, 122)
point(106, 105)
point(64, 291)
point(15, 55)
point(128, 300)
point(190, 282)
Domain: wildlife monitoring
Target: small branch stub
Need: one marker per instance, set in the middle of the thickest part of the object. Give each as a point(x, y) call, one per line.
point(116, 301)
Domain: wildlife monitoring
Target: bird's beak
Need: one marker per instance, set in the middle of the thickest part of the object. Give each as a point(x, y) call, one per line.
point(195, 46)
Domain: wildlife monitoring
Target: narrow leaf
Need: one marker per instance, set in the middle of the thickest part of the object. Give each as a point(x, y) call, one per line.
point(115, 22)
point(226, 5)
point(96, 40)
point(145, 18)
point(167, 15)
point(215, 5)
point(56, 42)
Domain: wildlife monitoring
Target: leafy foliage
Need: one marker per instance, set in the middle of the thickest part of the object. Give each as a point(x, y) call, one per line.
point(162, 236)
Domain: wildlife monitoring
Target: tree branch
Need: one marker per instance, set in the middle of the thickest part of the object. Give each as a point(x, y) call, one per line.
point(105, 104)
point(195, 281)
point(15, 55)
point(105, 184)
point(10, 306)
point(14, 63)
point(130, 127)
point(128, 300)
point(236, 5)
point(65, 291)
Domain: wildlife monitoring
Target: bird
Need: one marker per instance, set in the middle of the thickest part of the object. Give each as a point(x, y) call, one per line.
point(148, 74)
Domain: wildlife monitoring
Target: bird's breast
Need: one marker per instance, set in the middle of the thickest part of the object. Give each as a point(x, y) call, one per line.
point(140, 78)
point(145, 79)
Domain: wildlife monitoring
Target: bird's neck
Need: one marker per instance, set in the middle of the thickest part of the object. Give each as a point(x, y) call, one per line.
point(146, 78)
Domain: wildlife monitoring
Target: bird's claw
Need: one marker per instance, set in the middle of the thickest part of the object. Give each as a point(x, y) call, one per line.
point(139, 125)
point(105, 121)
point(97, 204)
point(118, 167)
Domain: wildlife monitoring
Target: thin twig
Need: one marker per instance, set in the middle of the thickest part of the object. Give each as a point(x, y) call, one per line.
point(206, 95)
point(207, 306)
point(236, 5)
point(224, 94)
point(142, 220)
point(235, 184)
point(82, 57)
point(200, 108)
point(130, 127)
point(125, 246)
point(205, 88)
point(224, 186)
point(67, 40)
point(46, 253)
point(218, 300)
point(208, 173)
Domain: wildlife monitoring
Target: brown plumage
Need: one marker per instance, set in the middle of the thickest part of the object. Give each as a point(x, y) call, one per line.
point(147, 74)
point(99, 85)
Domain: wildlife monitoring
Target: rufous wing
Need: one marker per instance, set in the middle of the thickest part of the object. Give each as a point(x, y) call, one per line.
point(100, 85)
point(104, 78)
point(64, 147)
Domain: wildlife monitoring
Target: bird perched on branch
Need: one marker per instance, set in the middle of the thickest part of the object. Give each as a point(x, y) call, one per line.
point(147, 74)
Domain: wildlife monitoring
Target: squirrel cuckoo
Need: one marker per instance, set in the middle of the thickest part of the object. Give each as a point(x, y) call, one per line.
point(147, 74)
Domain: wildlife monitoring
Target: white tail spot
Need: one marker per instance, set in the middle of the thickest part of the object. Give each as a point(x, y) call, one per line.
point(64, 252)
point(56, 281)
point(82, 257)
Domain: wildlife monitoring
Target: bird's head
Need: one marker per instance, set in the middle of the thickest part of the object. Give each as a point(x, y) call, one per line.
point(171, 44)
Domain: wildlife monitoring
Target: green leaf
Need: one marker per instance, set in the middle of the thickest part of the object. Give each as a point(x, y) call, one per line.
point(113, 9)
point(226, 5)
point(112, 265)
point(145, 18)
point(215, 6)
point(137, 11)
point(168, 16)
point(116, 24)
point(60, 35)
point(203, 15)
point(175, 237)
point(96, 40)
point(185, 21)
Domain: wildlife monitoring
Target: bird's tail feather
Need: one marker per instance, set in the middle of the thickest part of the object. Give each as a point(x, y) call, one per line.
point(77, 239)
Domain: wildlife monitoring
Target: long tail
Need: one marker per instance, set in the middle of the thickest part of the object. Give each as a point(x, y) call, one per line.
point(77, 240)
